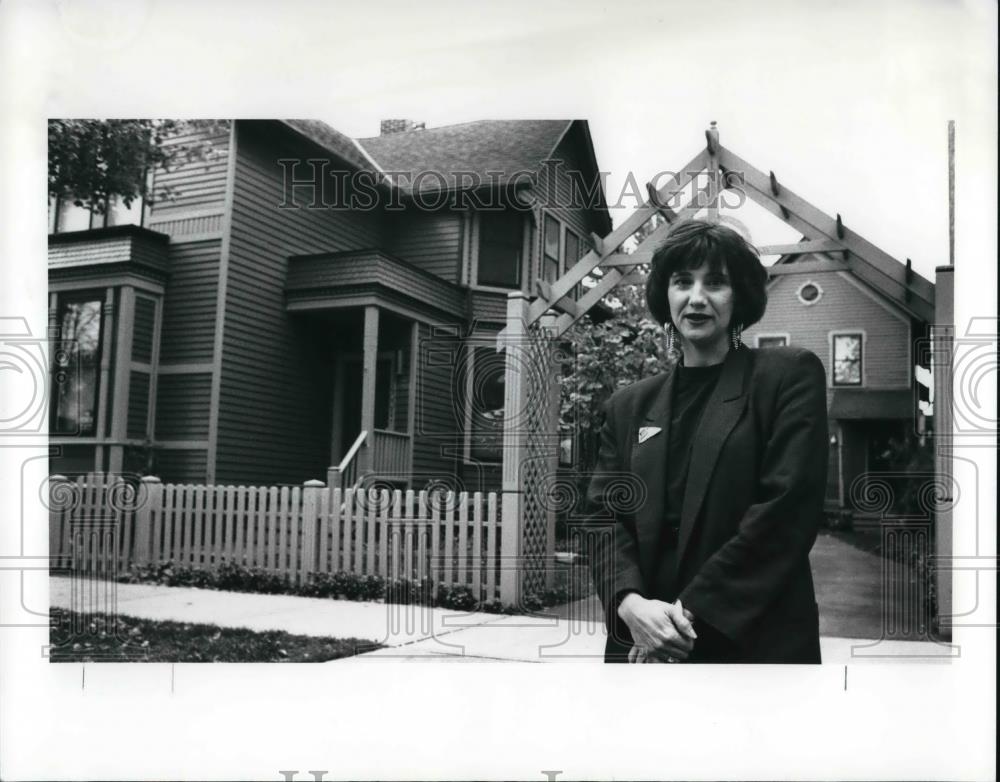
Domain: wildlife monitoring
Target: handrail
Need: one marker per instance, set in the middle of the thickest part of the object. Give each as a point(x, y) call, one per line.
point(391, 432)
point(358, 442)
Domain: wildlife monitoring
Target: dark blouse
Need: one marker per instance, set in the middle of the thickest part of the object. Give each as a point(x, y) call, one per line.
point(692, 389)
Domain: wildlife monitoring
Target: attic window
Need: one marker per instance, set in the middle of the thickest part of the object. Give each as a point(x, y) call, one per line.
point(809, 293)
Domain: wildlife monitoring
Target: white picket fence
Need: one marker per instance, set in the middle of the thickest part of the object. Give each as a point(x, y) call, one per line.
point(101, 526)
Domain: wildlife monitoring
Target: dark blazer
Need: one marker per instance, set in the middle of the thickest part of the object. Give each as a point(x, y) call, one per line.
point(753, 501)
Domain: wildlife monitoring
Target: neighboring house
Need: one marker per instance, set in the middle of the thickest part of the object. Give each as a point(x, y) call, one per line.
point(865, 338)
point(302, 289)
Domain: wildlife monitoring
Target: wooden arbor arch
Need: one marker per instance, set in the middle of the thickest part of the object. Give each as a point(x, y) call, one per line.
point(531, 494)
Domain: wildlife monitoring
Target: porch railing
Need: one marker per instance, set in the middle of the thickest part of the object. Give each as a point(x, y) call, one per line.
point(345, 474)
point(390, 453)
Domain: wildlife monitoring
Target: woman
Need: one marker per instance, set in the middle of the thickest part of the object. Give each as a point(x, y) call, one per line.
point(726, 454)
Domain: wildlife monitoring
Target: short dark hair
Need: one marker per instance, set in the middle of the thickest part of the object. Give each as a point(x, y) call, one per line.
point(693, 243)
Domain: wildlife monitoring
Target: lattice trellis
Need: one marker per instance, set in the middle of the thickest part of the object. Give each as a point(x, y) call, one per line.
point(540, 454)
point(531, 453)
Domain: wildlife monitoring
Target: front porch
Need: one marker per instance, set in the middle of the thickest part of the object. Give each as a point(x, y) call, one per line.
point(367, 308)
point(371, 396)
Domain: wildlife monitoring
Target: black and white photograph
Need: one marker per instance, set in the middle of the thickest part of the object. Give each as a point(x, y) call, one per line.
point(374, 339)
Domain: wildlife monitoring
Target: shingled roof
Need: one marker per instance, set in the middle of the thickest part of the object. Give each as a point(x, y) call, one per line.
point(344, 147)
point(480, 147)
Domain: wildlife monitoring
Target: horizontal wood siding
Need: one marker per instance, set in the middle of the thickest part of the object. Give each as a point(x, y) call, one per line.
point(180, 227)
point(189, 304)
point(347, 274)
point(142, 332)
point(568, 204)
point(138, 405)
point(438, 436)
point(151, 250)
point(182, 406)
point(564, 199)
point(491, 307)
point(199, 184)
point(275, 398)
point(181, 465)
point(430, 240)
point(111, 250)
point(842, 307)
point(101, 251)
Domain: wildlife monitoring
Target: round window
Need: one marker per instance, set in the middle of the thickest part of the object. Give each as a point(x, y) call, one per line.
point(810, 293)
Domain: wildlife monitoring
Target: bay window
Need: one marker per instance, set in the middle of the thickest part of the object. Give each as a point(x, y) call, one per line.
point(78, 364)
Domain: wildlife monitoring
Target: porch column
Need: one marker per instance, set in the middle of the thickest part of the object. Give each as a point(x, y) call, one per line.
point(370, 343)
point(411, 402)
point(103, 428)
point(512, 500)
point(551, 437)
point(122, 377)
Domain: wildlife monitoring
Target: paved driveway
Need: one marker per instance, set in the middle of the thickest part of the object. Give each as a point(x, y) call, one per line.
point(848, 589)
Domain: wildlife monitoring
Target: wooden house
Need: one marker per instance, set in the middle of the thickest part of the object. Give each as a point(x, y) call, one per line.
point(306, 301)
point(865, 335)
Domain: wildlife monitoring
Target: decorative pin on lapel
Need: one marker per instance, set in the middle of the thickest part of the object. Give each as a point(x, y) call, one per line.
point(645, 432)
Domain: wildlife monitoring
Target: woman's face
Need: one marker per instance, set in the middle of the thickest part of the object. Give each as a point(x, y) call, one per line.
point(701, 305)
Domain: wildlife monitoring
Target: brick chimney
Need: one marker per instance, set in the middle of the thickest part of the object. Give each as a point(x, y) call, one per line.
point(398, 126)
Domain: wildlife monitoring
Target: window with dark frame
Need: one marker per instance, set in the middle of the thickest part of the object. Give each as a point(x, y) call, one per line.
point(573, 255)
point(77, 365)
point(847, 359)
point(486, 402)
point(552, 268)
point(572, 248)
point(501, 236)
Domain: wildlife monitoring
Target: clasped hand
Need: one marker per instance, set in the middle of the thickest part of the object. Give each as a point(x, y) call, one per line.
point(662, 631)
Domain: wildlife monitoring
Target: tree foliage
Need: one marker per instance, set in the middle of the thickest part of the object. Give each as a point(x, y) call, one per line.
point(608, 356)
point(92, 161)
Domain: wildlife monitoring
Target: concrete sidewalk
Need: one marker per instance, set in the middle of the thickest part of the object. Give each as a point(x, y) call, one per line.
point(571, 633)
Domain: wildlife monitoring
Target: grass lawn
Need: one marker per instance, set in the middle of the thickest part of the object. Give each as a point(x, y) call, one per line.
point(81, 638)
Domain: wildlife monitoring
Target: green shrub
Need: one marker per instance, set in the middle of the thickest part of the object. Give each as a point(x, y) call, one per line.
point(234, 577)
point(459, 598)
point(410, 592)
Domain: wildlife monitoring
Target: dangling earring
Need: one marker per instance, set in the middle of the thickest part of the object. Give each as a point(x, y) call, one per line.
point(673, 354)
point(736, 333)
